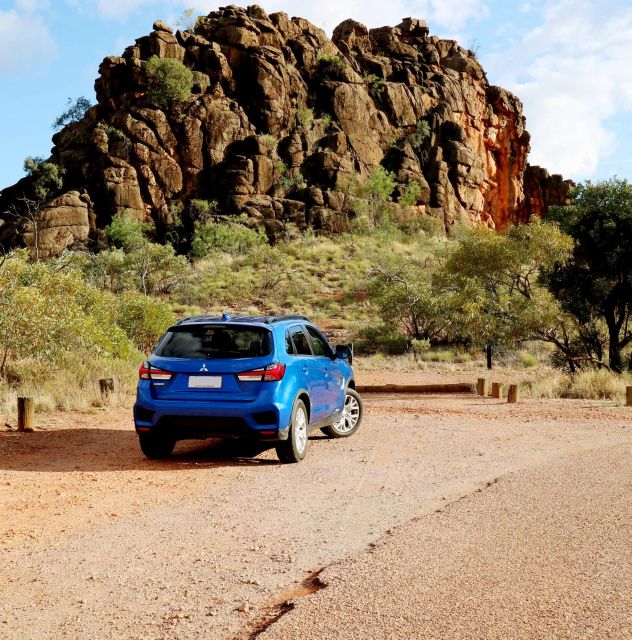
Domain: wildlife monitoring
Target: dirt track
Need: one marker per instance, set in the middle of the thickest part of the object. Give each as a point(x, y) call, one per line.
point(97, 542)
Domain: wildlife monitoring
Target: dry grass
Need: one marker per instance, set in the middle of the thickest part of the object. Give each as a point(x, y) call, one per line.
point(592, 384)
point(73, 387)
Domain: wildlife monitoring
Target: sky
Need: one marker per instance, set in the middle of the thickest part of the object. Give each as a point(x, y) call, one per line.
point(569, 61)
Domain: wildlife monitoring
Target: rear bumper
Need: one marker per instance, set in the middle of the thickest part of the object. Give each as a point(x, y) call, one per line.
point(185, 421)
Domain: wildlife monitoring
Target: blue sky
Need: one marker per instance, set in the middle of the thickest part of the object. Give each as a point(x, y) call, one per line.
point(568, 60)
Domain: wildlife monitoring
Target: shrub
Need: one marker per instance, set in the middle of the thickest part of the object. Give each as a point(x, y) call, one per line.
point(411, 194)
point(144, 319)
point(419, 135)
point(170, 81)
point(234, 239)
point(327, 62)
point(381, 338)
point(376, 84)
point(126, 233)
point(304, 116)
point(269, 142)
point(327, 120)
point(113, 133)
point(48, 177)
point(527, 360)
point(201, 211)
point(376, 192)
point(76, 111)
point(46, 312)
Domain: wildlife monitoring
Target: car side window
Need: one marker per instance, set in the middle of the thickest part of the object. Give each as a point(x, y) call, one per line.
point(289, 345)
point(321, 348)
point(301, 342)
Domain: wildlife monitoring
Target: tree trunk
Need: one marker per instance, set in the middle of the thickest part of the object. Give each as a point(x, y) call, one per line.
point(614, 354)
point(614, 343)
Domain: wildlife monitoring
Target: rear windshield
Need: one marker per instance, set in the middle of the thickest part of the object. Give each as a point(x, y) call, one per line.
point(215, 342)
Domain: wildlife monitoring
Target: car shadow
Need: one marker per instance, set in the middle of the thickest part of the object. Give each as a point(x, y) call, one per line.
point(64, 450)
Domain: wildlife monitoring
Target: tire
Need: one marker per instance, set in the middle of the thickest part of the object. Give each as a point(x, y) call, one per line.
point(294, 448)
point(156, 446)
point(351, 417)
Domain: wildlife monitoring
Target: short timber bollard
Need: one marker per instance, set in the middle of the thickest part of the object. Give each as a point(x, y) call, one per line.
point(107, 387)
point(497, 390)
point(513, 396)
point(481, 387)
point(26, 414)
point(628, 396)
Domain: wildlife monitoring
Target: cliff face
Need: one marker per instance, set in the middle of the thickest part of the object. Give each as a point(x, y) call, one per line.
point(281, 118)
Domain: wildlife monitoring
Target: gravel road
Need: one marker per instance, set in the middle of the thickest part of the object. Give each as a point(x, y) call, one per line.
point(97, 542)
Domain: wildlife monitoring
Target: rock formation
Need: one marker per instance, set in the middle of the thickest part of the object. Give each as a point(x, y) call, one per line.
point(281, 119)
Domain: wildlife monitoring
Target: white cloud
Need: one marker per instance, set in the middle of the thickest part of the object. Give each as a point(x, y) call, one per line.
point(24, 40)
point(456, 14)
point(573, 73)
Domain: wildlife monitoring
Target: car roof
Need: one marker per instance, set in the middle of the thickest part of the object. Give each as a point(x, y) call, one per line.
point(226, 318)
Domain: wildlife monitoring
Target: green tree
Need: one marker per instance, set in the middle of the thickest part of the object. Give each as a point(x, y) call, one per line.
point(170, 81)
point(595, 285)
point(492, 280)
point(134, 263)
point(75, 111)
point(408, 301)
point(47, 311)
point(143, 318)
point(376, 193)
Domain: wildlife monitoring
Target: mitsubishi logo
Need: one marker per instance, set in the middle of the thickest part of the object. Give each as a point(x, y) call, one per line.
point(204, 369)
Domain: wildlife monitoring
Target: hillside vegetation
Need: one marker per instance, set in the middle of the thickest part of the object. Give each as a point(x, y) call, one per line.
point(388, 285)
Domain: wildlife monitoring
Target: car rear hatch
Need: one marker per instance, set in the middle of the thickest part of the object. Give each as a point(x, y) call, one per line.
point(205, 362)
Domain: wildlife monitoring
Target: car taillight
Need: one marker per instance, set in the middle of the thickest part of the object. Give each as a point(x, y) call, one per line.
point(147, 372)
point(271, 373)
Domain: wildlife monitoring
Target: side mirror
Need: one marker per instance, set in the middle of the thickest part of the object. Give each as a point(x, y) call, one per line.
point(345, 352)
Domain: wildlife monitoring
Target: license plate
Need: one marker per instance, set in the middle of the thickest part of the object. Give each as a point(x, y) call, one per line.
point(205, 382)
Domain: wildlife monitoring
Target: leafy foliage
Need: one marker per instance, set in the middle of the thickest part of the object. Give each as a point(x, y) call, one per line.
point(304, 116)
point(331, 65)
point(188, 19)
point(269, 141)
point(492, 280)
point(46, 312)
point(143, 318)
point(418, 136)
point(48, 177)
point(75, 111)
point(234, 239)
point(374, 196)
point(170, 81)
point(376, 85)
point(595, 285)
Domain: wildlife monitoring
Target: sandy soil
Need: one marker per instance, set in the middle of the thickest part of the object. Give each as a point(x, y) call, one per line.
point(97, 542)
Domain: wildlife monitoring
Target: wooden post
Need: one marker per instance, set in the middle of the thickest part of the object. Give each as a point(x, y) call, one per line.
point(489, 353)
point(107, 387)
point(26, 414)
point(481, 387)
point(628, 396)
point(513, 396)
point(497, 390)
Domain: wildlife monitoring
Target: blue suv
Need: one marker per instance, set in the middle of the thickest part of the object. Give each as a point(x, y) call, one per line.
point(271, 379)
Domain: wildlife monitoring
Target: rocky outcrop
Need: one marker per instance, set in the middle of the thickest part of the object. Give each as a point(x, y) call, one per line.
point(282, 120)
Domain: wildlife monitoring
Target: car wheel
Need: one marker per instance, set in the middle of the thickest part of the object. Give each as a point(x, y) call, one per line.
point(155, 445)
point(293, 449)
point(351, 417)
